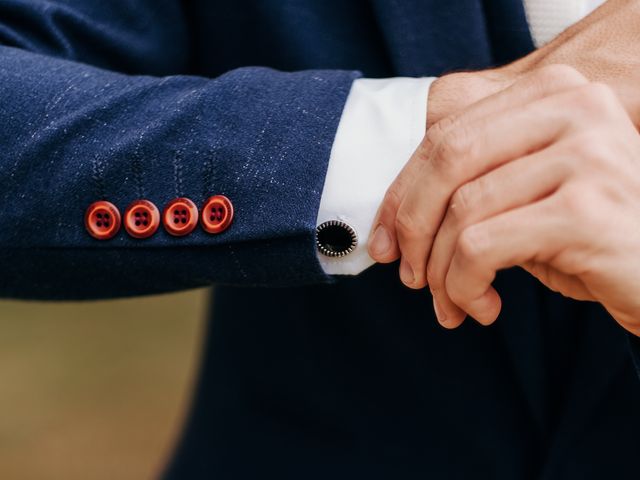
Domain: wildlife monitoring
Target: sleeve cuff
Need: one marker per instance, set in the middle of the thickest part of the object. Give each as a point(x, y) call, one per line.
point(383, 122)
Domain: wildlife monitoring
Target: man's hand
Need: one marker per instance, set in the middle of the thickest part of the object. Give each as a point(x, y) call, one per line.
point(545, 175)
point(603, 47)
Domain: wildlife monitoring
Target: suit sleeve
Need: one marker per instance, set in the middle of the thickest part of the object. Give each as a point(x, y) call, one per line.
point(89, 111)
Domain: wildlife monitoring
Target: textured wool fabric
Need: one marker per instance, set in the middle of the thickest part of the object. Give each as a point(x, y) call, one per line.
point(74, 134)
point(354, 379)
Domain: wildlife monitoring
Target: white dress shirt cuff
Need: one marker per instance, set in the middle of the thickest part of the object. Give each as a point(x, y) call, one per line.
point(383, 122)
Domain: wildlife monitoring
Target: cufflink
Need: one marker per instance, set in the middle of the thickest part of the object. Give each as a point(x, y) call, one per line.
point(335, 238)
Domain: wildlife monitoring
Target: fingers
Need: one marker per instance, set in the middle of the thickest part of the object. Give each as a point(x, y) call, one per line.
point(559, 281)
point(513, 185)
point(469, 152)
point(534, 86)
point(529, 234)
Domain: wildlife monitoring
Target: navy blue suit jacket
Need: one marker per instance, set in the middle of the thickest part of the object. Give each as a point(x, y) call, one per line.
point(121, 100)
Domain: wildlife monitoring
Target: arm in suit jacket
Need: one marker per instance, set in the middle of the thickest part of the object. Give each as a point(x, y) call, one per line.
point(94, 107)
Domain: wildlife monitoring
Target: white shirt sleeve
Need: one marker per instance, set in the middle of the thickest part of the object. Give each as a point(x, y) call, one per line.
point(382, 124)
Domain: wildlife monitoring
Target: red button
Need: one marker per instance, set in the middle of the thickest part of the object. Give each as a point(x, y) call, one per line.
point(102, 220)
point(141, 219)
point(217, 214)
point(180, 216)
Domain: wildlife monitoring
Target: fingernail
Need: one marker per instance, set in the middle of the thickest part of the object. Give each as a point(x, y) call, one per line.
point(440, 315)
point(406, 273)
point(380, 242)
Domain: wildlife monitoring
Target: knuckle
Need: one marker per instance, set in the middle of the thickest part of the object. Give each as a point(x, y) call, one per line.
point(436, 132)
point(456, 141)
point(472, 243)
point(460, 203)
point(602, 91)
point(580, 203)
point(570, 197)
point(595, 152)
point(449, 152)
point(596, 100)
point(592, 148)
point(561, 75)
point(442, 127)
point(446, 124)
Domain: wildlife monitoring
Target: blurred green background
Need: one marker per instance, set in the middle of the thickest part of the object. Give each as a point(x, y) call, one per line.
point(96, 390)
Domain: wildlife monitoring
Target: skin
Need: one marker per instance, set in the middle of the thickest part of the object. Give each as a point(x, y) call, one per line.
point(603, 47)
point(541, 171)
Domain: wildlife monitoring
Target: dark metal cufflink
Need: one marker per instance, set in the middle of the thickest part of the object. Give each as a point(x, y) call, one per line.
point(335, 238)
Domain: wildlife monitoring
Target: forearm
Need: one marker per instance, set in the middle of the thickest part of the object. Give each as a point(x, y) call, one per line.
point(73, 134)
